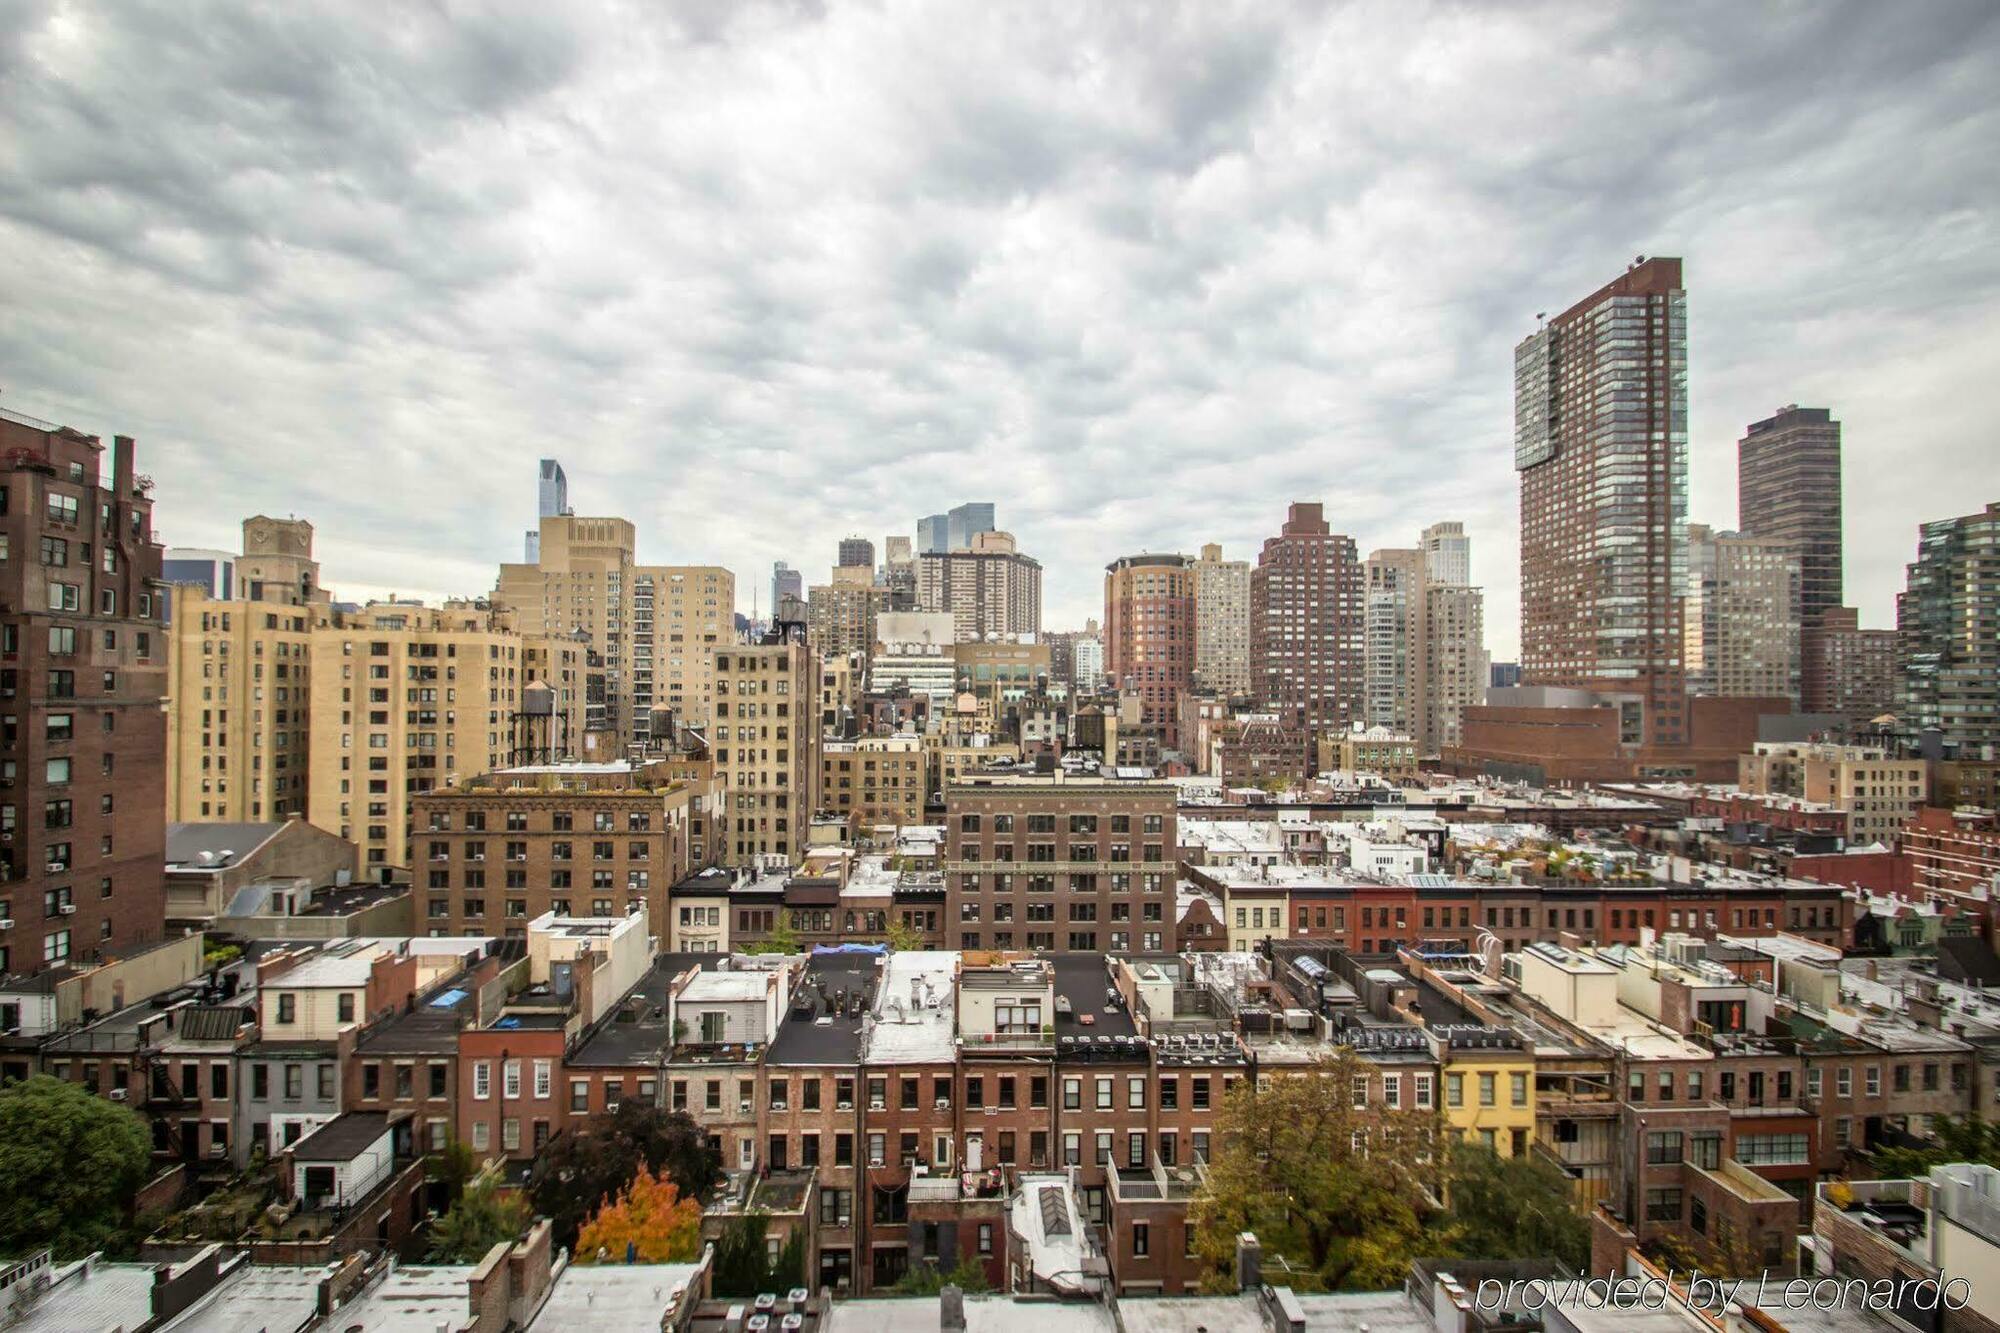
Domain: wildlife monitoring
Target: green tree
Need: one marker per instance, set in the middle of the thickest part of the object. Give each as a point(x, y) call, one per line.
point(782, 939)
point(1338, 1195)
point(70, 1164)
point(453, 1166)
point(1512, 1208)
point(743, 1266)
point(484, 1216)
point(905, 938)
point(927, 1279)
point(1954, 1139)
point(582, 1170)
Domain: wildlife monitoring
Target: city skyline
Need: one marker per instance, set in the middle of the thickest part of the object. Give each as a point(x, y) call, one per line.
point(1146, 316)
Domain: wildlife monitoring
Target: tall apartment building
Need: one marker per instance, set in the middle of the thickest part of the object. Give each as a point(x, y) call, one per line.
point(1149, 634)
point(841, 616)
point(899, 573)
point(1741, 615)
point(1455, 662)
point(582, 587)
point(1788, 489)
point(82, 743)
point(238, 708)
point(1447, 553)
point(1848, 671)
point(857, 553)
point(1088, 656)
point(990, 588)
point(1600, 442)
point(238, 679)
point(680, 615)
point(1058, 863)
point(1948, 619)
point(588, 584)
point(406, 699)
point(1307, 621)
point(766, 743)
point(1393, 617)
point(1221, 623)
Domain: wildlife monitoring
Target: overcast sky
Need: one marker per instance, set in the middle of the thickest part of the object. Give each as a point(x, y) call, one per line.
point(1141, 275)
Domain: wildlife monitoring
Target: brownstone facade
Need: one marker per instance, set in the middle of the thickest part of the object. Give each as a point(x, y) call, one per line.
point(1059, 865)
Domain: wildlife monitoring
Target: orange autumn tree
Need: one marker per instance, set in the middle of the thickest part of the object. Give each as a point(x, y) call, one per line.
point(649, 1215)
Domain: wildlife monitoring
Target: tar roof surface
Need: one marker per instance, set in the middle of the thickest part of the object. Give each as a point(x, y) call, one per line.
point(826, 1039)
point(1083, 979)
point(343, 1138)
point(185, 842)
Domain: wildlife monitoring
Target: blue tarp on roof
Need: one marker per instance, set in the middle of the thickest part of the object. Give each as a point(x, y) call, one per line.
point(449, 1000)
point(851, 948)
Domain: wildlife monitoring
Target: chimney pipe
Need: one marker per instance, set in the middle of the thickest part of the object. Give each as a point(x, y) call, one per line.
point(1249, 1262)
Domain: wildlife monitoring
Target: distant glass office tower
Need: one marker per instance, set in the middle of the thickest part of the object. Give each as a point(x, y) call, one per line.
point(857, 553)
point(934, 534)
point(1949, 621)
point(551, 501)
point(785, 582)
point(554, 491)
point(214, 572)
point(1788, 490)
point(966, 522)
point(1600, 441)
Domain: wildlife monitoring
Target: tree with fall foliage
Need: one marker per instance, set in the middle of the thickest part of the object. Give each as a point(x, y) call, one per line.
point(580, 1170)
point(1340, 1196)
point(648, 1221)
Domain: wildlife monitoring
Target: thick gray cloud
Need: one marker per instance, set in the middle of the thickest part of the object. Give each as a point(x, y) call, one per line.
point(764, 275)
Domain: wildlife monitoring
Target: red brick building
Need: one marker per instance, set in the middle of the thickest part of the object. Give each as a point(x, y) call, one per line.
point(1306, 619)
point(82, 670)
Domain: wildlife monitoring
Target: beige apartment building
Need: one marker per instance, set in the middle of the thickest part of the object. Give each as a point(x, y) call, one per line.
point(680, 615)
point(1879, 794)
point(654, 628)
point(409, 698)
point(238, 698)
point(238, 678)
point(766, 745)
point(1221, 623)
point(1742, 615)
point(841, 615)
point(874, 781)
point(991, 589)
point(1455, 662)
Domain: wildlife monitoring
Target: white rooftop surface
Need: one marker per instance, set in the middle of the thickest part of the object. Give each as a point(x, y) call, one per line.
point(1783, 947)
point(113, 1296)
point(274, 1297)
point(1059, 1256)
point(872, 877)
point(1377, 1311)
point(1260, 836)
point(725, 987)
point(919, 1035)
point(418, 1299)
point(611, 1298)
point(983, 1314)
point(605, 768)
point(344, 970)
